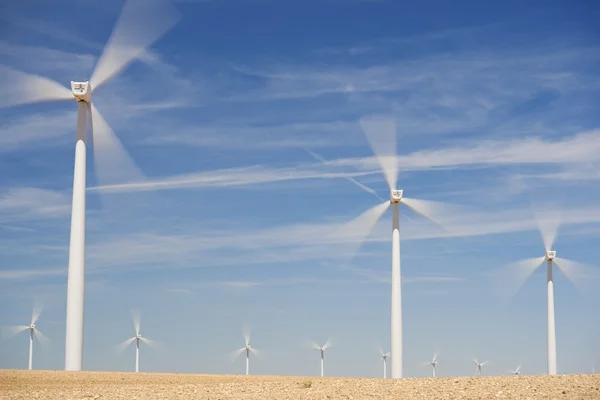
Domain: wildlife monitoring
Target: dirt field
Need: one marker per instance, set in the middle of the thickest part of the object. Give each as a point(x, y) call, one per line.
point(109, 385)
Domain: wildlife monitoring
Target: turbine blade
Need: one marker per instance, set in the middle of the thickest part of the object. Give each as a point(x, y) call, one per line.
point(18, 88)
point(38, 307)
point(246, 330)
point(112, 162)
point(235, 354)
point(141, 23)
point(10, 331)
point(258, 353)
point(349, 178)
point(548, 223)
point(327, 344)
point(435, 211)
point(122, 346)
point(42, 339)
point(313, 345)
point(475, 361)
point(151, 343)
point(381, 135)
point(581, 275)
point(509, 279)
point(356, 231)
point(137, 318)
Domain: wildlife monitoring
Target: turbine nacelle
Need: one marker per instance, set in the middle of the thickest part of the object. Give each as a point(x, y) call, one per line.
point(395, 195)
point(550, 255)
point(82, 91)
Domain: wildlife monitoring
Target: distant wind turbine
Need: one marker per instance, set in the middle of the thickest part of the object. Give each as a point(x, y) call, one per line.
point(433, 363)
point(381, 135)
point(322, 349)
point(247, 349)
point(573, 270)
point(33, 332)
point(479, 365)
point(516, 371)
point(137, 339)
point(141, 23)
point(384, 357)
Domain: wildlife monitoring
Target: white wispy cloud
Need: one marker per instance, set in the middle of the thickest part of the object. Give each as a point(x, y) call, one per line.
point(41, 129)
point(299, 242)
point(231, 177)
point(48, 60)
point(252, 135)
point(566, 151)
point(29, 274)
point(28, 203)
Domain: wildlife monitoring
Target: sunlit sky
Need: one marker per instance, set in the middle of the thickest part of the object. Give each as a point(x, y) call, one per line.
point(495, 105)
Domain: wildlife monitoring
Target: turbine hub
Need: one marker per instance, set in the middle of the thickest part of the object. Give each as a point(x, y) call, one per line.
point(82, 91)
point(550, 255)
point(395, 195)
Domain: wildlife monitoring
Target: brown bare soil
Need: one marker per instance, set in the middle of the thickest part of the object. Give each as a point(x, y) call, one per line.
point(109, 385)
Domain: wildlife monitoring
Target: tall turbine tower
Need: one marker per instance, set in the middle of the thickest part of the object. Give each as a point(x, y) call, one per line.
point(322, 353)
point(479, 365)
point(140, 24)
point(384, 357)
point(247, 349)
point(33, 332)
point(381, 134)
point(548, 226)
point(137, 339)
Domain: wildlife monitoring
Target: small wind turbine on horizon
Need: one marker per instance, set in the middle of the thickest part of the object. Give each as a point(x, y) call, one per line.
point(384, 357)
point(247, 349)
point(322, 349)
point(381, 135)
point(141, 23)
point(548, 228)
point(433, 363)
point(137, 339)
point(33, 332)
point(516, 371)
point(479, 365)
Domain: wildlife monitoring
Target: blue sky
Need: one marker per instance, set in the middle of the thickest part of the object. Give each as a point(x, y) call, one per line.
point(495, 106)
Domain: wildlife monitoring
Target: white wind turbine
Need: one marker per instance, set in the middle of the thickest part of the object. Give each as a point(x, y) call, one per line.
point(33, 332)
point(137, 339)
point(433, 363)
point(140, 24)
point(479, 365)
point(322, 349)
point(381, 134)
point(384, 357)
point(548, 227)
point(516, 371)
point(247, 349)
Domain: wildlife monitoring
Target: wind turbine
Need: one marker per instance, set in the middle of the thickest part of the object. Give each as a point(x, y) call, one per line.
point(33, 332)
point(479, 365)
point(384, 357)
point(322, 349)
point(548, 228)
point(381, 135)
point(516, 371)
point(247, 348)
point(141, 23)
point(433, 363)
point(137, 339)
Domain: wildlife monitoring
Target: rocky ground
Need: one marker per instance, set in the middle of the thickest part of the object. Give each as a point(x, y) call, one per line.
point(109, 385)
